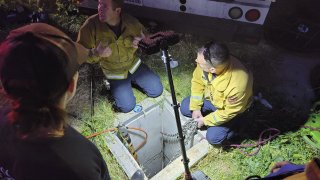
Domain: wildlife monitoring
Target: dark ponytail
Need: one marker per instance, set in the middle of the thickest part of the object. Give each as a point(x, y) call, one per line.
point(28, 117)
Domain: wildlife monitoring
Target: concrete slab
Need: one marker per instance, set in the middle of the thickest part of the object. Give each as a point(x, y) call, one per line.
point(126, 161)
point(176, 168)
point(146, 105)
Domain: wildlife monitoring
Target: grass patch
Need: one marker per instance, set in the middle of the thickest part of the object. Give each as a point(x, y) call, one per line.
point(102, 119)
point(286, 147)
point(231, 164)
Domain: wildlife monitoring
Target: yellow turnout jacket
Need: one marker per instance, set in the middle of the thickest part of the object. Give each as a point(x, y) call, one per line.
point(230, 92)
point(123, 58)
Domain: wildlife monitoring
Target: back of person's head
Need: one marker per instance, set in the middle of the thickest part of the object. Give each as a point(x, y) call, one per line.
point(117, 3)
point(37, 64)
point(216, 53)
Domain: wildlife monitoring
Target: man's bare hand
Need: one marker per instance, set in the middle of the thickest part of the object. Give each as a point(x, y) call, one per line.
point(200, 121)
point(103, 50)
point(137, 39)
point(196, 114)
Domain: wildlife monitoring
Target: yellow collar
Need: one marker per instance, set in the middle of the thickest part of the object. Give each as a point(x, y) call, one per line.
point(222, 81)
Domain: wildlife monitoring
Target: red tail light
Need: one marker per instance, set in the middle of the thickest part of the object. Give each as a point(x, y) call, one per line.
point(252, 15)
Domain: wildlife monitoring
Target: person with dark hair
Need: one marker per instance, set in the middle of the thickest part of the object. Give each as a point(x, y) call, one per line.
point(39, 72)
point(221, 90)
point(113, 37)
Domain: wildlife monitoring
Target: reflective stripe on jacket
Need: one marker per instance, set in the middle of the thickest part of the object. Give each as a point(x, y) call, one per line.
point(123, 58)
point(230, 92)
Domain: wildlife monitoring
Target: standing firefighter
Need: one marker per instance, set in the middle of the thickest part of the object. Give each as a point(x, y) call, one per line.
point(221, 90)
point(113, 38)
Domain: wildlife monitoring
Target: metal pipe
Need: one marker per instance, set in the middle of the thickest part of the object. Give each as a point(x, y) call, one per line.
point(91, 89)
point(166, 59)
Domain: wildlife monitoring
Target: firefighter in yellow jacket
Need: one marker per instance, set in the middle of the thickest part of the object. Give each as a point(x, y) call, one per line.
point(113, 38)
point(221, 90)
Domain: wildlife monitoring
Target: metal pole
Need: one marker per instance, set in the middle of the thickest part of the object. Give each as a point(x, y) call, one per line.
point(166, 59)
point(91, 89)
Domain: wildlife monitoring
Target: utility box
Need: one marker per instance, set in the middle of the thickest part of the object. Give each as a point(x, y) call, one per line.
point(159, 139)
